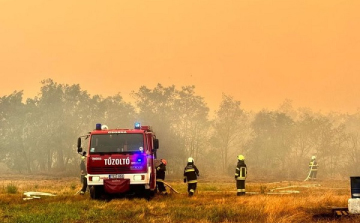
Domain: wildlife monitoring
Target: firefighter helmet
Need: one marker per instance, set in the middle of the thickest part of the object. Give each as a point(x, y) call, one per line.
point(164, 161)
point(241, 157)
point(190, 160)
point(82, 157)
point(313, 157)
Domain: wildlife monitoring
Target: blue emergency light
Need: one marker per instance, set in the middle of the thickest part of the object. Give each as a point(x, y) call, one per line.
point(98, 126)
point(137, 125)
point(139, 159)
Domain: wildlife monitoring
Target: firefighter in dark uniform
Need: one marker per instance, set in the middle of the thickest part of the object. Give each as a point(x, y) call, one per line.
point(191, 173)
point(313, 165)
point(83, 175)
point(160, 176)
point(240, 175)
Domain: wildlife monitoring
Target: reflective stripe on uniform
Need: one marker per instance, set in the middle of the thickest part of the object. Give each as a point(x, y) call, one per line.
point(190, 170)
point(240, 190)
point(159, 180)
point(313, 165)
point(192, 190)
point(192, 181)
point(243, 172)
point(240, 178)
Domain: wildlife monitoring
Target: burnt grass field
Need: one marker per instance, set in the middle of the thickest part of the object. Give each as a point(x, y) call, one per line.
point(286, 201)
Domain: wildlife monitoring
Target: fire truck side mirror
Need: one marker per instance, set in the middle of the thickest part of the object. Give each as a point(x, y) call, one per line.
point(156, 144)
point(79, 149)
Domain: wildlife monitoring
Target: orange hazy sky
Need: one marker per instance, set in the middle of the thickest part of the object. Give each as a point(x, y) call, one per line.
point(261, 52)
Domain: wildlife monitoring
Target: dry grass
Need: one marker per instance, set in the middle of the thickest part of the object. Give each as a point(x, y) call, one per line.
point(213, 202)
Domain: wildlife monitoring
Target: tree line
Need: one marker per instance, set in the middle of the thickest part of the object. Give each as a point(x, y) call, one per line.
point(38, 135)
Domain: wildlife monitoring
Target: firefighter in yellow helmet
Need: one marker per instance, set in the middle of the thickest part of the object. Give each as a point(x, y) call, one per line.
point(240, 175)
point(160, 176)
point(313, 165)
point(191, 173)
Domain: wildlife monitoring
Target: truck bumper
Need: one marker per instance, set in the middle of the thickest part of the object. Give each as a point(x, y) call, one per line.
point(134, 179)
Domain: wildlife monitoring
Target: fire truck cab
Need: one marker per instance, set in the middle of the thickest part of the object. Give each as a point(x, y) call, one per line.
point(120, 161)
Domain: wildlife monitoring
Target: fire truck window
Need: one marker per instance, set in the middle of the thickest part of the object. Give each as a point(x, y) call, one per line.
point(117, 143)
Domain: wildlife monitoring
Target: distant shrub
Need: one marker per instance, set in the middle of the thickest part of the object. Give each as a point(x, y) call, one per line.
point(262, 189)
point(73, 186)
point(11, 189)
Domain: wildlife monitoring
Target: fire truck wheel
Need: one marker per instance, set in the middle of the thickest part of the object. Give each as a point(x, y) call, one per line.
point(95, 192)
point(149, 194)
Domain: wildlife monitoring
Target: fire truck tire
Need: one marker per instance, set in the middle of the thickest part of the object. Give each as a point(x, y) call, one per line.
point(149, 194)
point(152, 193)
point(95, 192)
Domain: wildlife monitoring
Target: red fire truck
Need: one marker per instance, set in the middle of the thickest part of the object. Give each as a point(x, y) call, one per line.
point(120, 161)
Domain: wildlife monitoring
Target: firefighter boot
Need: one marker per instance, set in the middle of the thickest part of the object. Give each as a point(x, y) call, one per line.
point(191, 192)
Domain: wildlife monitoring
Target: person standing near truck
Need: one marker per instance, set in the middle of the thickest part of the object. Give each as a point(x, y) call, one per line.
point(191, 173)
point(83, 175)
point(160, 176)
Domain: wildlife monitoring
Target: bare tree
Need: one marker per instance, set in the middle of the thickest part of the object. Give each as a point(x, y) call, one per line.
point(229, 131)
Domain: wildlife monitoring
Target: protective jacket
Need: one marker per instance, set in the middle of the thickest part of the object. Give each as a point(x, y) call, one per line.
point(160, 172)
point(313, 165)
point(241, 170)
point(191, 173)
point(83, 167)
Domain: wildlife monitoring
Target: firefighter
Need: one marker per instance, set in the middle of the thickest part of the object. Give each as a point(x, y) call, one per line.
point(240, 175)
point(191, 173)
point(83, 176)
point(313, 165)
point(160, 176)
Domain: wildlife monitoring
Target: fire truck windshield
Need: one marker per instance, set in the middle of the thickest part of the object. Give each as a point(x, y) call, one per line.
point(117, 143)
